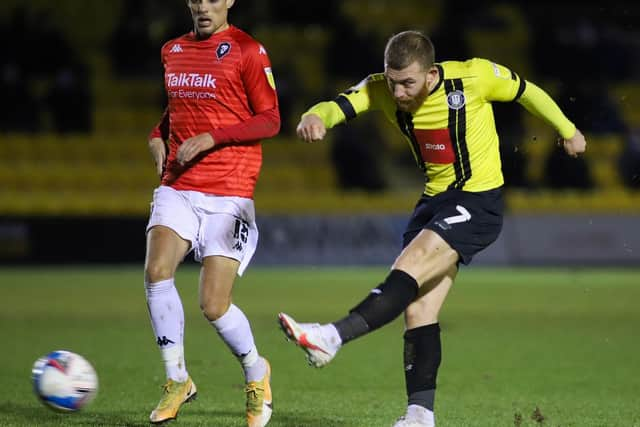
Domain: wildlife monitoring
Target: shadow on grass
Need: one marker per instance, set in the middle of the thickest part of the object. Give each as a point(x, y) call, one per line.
point(297, 420)
point(36, 415)
point(18, 414)
point(279, 419)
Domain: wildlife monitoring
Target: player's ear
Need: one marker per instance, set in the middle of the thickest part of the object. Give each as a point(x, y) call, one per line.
point(230, 3)
point(432, 75)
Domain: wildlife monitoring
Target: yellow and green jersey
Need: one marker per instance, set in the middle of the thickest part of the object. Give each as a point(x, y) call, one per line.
point(452, 135)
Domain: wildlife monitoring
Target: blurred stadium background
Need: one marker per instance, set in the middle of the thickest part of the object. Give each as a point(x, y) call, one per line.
point(82, 86)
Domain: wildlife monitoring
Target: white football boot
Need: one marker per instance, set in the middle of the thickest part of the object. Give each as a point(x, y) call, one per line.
point(416, 416)
point(319, 342)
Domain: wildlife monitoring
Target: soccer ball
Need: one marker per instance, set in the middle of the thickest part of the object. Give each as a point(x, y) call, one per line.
point(64, 381)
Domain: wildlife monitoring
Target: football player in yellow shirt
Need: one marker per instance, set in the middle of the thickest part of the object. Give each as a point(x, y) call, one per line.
point(444, 112)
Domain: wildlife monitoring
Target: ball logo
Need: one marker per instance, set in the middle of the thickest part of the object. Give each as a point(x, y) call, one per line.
point(456, 99)
point(223, 49)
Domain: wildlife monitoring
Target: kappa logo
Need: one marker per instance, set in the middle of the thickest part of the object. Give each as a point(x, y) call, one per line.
point(223, 50)
point(456, 99)
point(176, 48)
point(162, 341)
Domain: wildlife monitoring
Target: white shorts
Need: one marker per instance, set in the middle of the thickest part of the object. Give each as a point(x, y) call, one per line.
point(215, 225)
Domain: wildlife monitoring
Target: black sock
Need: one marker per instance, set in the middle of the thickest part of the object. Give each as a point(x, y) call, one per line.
point(351, 326)
point(422, 355)
point(381, 306)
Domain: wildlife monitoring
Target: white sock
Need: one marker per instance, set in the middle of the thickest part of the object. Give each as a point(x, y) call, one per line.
point(167, 320)
point(234, 329)
point(331, 335)
point(420, 413)
point(174, 363)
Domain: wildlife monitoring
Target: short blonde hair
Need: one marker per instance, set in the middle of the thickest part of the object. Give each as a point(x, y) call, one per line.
point(407, 47)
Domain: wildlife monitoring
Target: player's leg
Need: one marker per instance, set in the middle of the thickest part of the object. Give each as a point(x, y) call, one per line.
point(165, 251)
point(422, 350)
point(216, 283)
point(425, 258)
point(171, 229)
point(469, 222)
point(227, 239)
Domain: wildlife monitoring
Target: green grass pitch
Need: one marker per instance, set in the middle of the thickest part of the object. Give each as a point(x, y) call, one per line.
point(521, 347)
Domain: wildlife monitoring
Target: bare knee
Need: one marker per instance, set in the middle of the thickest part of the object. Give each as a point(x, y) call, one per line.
point(427, 257)
point(420, 313)
point(157, 272)
point(215, 308)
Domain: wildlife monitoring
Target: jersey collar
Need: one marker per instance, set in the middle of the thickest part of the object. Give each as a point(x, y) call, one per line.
point(440, 78)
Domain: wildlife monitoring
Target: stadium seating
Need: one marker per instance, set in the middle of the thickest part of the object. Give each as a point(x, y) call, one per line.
point(109, 172)
point(100, 175)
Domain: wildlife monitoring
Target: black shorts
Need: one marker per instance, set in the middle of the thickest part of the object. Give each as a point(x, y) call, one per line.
point(468, 222)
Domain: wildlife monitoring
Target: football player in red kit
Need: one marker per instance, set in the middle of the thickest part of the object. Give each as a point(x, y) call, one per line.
point(221, 102)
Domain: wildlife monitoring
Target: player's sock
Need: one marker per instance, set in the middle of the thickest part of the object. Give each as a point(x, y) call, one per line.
point(234, 329)
point(351, 326)
point(175, 367)
point(167, 320)
point(422, 355)
point(419, 415)
point(381, 306)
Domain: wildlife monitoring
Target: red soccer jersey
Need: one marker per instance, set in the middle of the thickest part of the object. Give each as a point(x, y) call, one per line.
point(222, 85)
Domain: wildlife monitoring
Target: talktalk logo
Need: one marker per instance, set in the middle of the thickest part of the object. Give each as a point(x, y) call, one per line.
point(191, 80)
point(437, 147)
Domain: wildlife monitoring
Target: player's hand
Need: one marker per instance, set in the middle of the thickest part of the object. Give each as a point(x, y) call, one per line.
point(575, 145)
point(159, 153)
point(311, 128)
point(193, 146)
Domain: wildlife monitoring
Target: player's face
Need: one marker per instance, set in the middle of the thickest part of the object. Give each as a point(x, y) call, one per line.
point(209, 16)
point(409, 86)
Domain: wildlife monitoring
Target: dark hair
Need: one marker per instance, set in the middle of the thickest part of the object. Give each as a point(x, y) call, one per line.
point(407, 47)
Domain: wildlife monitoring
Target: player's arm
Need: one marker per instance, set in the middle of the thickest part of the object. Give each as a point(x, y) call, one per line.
point(541, 105)
point(327, 114)
point(501, 84)
point(159, 135)
point(260, 87)
point(157, 145)
point(264, 123)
